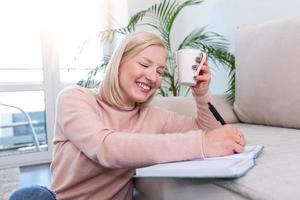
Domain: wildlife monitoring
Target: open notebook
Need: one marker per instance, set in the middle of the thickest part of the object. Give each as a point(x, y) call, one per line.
point(232, 166)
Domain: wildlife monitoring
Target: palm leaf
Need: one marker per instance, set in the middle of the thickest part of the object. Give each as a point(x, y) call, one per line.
point(135, 19)
point(175, 10)
point(167, 11)
point(110, 34)
point(161, 17)
point(216, 47)
point(201, 39)
point(231, 89)
point(90, 81)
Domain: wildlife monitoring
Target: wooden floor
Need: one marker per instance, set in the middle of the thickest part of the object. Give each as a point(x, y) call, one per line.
point(36, 175)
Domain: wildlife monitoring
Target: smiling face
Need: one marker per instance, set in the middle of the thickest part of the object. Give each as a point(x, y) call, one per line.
point(141, 75)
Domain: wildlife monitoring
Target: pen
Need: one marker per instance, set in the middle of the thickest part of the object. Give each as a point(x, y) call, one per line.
point(216, 114)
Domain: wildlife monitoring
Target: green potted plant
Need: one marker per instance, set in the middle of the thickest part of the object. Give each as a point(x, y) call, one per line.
point(163, 15)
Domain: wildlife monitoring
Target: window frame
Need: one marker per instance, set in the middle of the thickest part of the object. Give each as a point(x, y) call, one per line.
point(50, 86)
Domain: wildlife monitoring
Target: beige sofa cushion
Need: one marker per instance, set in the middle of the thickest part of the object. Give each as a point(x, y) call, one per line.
point(187, 106)
point(268, 73)
point(276, 175)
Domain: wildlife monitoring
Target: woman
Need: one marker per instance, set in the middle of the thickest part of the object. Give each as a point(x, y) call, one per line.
point(101, 138)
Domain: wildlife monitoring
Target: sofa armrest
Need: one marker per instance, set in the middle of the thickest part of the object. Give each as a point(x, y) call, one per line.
point(187, 106)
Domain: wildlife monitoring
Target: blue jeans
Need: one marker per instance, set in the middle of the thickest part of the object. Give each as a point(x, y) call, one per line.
point(33, 193)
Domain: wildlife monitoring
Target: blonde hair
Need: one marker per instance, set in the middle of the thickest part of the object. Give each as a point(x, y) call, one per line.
point(134, 43)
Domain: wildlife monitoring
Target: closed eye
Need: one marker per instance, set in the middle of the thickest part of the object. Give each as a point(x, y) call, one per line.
point(144, 65)
point(160, 72)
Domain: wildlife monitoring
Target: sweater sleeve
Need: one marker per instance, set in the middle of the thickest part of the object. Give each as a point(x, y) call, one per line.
point(204, 119)
point(79, 122)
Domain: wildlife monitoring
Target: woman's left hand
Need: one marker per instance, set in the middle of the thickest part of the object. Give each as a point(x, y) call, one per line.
point(203, 79)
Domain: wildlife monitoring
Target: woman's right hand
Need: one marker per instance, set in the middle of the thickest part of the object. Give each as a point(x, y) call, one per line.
point(224, 141)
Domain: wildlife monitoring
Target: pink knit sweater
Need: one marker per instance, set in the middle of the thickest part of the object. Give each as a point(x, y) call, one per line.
point(97, 147)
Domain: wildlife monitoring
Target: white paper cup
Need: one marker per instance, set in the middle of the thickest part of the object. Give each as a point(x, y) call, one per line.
point(185, 60)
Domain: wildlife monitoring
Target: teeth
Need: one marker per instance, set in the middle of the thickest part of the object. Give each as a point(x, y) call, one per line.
point(145, 87)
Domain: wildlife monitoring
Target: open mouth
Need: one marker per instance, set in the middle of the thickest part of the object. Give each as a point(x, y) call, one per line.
point(144, 86)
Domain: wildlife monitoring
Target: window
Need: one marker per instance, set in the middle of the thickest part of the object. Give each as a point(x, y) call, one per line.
point(25, 120)
point(45, 46)
point(79, 42)
point(23, 125)
point(77, 37)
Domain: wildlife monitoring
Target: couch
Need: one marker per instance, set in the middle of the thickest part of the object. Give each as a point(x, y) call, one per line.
point(266, 109)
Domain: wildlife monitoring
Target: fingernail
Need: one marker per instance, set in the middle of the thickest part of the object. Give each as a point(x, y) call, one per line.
point(195, 67)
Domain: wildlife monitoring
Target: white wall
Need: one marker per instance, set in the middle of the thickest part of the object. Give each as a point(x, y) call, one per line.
point(224, 17)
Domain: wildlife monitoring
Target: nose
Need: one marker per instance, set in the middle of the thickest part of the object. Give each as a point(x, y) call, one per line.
point(151, 75)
